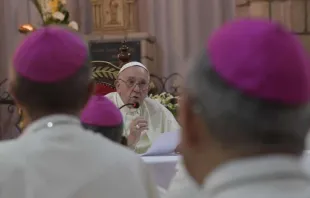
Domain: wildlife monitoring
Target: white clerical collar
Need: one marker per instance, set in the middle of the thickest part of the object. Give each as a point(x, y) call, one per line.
point(51, 121)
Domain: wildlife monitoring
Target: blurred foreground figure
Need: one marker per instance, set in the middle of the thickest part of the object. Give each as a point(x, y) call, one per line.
point(245, 113)
point(102, 116)
point(56, 156)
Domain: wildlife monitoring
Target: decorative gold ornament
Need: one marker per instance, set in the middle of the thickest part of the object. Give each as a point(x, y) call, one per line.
point(26, 28)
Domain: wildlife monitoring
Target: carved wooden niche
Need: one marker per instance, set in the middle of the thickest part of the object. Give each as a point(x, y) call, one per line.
point(114, 16)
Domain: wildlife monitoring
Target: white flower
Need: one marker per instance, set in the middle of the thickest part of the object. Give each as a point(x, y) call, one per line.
point(163, 94)
point(154, 96)
point(158, 100)
point(169, 97)
point(74, 25)
point(58, 15)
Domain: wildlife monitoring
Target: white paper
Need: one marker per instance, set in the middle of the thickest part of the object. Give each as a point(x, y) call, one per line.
point(165, 144)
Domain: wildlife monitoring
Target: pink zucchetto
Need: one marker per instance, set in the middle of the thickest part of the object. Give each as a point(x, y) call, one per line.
point(261, 59)
point(101, 112)
point(50, 54)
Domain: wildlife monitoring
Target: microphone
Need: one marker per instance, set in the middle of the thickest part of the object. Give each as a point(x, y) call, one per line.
point(135, 105)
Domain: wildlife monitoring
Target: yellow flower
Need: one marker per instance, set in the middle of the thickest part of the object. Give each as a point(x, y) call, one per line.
point(21, 125)
point(53, 5)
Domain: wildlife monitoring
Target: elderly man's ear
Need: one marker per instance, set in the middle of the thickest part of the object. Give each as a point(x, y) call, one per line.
point(116, 84)
point(190, 122)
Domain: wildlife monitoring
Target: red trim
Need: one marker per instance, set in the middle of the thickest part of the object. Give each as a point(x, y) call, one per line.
point(103, 89)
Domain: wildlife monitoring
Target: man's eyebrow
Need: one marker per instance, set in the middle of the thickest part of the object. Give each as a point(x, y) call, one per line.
point(131, 77)
point(134, 78)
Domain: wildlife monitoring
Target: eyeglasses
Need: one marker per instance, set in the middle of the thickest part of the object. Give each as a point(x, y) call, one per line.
point(132, 83)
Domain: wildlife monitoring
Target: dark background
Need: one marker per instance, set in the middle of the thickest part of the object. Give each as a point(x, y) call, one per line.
point(108, 51)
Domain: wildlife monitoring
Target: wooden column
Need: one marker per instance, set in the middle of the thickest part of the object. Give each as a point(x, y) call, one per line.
point(294, 14)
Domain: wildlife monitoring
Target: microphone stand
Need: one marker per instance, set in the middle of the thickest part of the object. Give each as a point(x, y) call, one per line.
point(125, 105)
point(135, 105)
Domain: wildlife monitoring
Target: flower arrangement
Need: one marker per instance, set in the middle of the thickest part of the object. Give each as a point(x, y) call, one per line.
point(168, 100)
point(51, 12)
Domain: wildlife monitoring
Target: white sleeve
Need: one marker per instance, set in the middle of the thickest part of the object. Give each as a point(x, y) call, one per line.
point(130, 180)
point(151, 188)
point(162, 192)
point(169, 123)
point(181, 185)
point(13, 181)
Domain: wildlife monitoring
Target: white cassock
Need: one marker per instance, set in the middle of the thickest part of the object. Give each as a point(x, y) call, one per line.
point(305, 162)
point(159, 118)
point(273, 176)
point(56, 157)
point(182, 185)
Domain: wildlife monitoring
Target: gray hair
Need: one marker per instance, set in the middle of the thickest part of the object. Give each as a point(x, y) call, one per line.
point(240, 121)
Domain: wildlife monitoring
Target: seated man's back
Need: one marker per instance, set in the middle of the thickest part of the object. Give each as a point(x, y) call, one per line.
point(56, 157)
point(67, 161)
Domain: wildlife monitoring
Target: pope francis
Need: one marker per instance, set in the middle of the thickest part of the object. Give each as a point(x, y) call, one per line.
point(144, 124)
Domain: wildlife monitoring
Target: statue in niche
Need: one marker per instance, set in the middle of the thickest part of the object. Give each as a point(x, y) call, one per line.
point(114, 7)
point(114, 16)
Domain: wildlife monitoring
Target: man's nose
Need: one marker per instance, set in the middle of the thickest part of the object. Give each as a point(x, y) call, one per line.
point(136, 88)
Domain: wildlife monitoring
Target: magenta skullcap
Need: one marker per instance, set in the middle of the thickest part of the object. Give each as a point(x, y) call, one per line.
point(100, 111)
point(261, 59)
point(50, 54)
